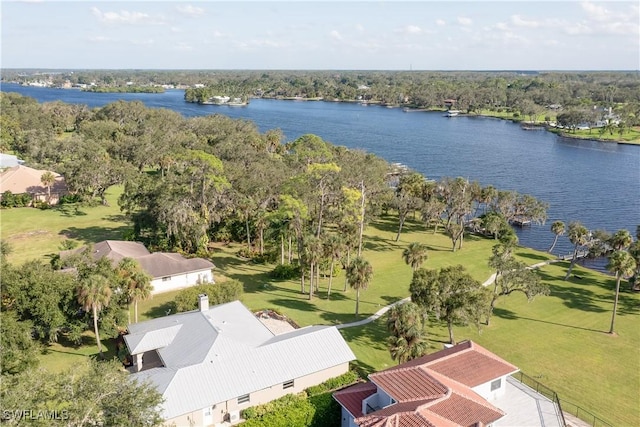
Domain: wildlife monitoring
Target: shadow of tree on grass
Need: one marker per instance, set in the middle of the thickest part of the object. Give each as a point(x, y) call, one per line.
point(95, 233)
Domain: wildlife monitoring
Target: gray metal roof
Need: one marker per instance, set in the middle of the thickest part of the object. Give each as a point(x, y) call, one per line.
point(242, 356)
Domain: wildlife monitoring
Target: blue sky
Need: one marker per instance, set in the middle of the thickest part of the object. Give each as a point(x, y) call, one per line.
point(383, 35)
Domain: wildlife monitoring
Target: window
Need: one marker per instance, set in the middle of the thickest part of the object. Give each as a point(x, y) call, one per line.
point(166, 278)
point(243, 399)
point(287, 384)
point(496, 384)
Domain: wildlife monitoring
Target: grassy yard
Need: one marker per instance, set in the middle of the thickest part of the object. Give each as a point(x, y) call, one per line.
point(35, 233)
point(560, 340)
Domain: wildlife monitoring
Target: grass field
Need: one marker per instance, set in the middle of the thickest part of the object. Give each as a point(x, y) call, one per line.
point(560, 339)
point(35, 234)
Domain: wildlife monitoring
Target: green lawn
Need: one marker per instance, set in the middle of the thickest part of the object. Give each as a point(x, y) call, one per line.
point(560, 339)
point(35, 233)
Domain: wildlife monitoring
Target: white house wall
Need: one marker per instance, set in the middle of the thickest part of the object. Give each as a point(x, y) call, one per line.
point(181, 281)
point(220, 410)
point(484, 390)
point(347, 419)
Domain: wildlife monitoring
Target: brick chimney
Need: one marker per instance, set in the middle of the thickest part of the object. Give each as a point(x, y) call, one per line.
point(203, 302)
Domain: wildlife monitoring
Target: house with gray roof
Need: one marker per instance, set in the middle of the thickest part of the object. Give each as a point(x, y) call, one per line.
point(211, 363)
point(169, 271)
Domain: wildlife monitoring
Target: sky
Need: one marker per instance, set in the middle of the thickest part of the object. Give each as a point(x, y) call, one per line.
point(327, 35)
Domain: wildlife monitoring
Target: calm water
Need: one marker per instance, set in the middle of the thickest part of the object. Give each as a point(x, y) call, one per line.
point(596, 183)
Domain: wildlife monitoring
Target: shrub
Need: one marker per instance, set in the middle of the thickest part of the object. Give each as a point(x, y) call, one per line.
point(43, 205)
point(69, 198)
point(218, 293)
point(331, 384)
point(327, 410)
point(7, 199)
point(285, 271)
point(10, 200)
point(290, 410)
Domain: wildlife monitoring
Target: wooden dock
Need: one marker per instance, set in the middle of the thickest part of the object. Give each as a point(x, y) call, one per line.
point(569, 257)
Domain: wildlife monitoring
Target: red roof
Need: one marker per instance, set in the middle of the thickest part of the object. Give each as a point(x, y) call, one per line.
point(408, 384)
point(351, 397)
point(472, 366)
point(434, 390)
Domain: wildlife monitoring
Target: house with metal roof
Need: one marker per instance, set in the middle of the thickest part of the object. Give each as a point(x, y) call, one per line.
point(464, 385)
point(169, 271)
point(211, 363)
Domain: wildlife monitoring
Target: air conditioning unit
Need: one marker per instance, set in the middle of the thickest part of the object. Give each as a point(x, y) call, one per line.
point(234, 416)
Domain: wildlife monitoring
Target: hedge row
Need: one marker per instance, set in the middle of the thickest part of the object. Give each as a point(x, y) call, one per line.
point(313, 408)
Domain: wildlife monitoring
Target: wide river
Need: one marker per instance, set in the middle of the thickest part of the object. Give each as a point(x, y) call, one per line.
point(594, 182)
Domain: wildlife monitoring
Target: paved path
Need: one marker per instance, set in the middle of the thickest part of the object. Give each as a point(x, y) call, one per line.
point(374, 316)
point(384, 309)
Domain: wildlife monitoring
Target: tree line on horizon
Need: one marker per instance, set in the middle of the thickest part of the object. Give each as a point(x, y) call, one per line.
point(572, 94)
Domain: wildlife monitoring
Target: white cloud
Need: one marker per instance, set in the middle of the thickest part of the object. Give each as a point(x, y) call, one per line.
point(596, 12)
point(578, 28)
point(190, 10)
point(335, 35)
point(518, 21)
point(464, 20)
point(124, 17)
point(612, 22)
point(184, 47)
point(440, 22)
point(360, 28)
point(146, 42)
point(410, 29)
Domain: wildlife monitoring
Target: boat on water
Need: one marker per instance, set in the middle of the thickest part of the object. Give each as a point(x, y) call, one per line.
point(452, 113)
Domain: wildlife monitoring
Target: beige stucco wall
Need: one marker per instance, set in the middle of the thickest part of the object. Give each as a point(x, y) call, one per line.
point(221, 409)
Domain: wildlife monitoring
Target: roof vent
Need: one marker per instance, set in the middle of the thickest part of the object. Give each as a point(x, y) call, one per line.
point(203, 302)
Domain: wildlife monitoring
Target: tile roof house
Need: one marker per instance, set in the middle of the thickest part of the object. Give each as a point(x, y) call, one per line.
point(457, 386)
point(22, 179)
point(169, 271)
point(211, 363)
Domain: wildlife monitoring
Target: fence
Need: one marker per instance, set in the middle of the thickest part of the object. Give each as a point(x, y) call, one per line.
point(541, 389)
point(568, 407)
point(584, 415)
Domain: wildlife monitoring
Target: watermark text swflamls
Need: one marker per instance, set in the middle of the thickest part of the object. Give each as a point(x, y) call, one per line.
point(34, 414)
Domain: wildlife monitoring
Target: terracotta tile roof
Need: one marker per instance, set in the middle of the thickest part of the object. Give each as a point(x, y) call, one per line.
point(405, 419)
point(435, 390)
point(409, 384)
point(465, 412)
point(463, 406)
point(351, 397)
point(472, 366)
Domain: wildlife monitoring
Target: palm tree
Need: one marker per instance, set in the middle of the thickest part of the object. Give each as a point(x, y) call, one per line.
point(415, 254)
point(557, 228)
point(359, 274)
point(94, 294)
point(334, 246)
point(622, 264)
point(313, 254)
point(579, 236)
point(620, 240)
point(135, 282)
point(48, 179)
point(408, 340)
